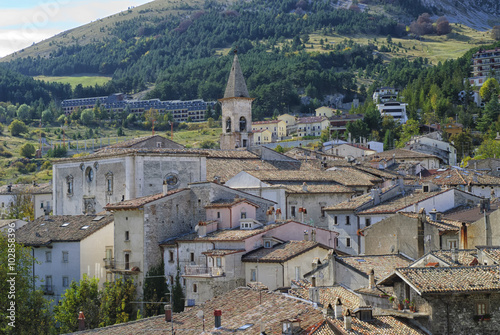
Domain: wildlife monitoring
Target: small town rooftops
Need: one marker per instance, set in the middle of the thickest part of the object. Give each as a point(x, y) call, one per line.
point(140, 140)
point(434, 280)
point(61, 228)
point(382, 265)
point(45, 188)
point(311, 119)
point(281, 252)
point(227, 203)
point(403, 154)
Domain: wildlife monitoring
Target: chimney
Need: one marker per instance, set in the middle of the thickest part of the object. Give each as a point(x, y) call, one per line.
point(313, 235)
point(168, 313)
point(218, 318)
point(306, 235)
point(81, 321)
point(371, 279)
point(314, 293)
point(304, 187)
point(202, 229)
point(463, 236)
point(338, 308)
point(165, 187)
point(348, 320)
point(433, 214)
point(420, 233)
point(278, 214)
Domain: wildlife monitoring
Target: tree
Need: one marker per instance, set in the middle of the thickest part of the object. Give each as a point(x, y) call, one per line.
point(178, 295)
point(495, 33)
point(27, 150)
point(325, 135)
point(155, 290)
point(21, 207)
point(410, 128)
point(488, 149)
point(23, 112)
point(47, 116)
point(443, 26)
point(80, 296)
point(490, 88)
point(17, 128)
point(463, 142)
point(87, 117)
point(32, 314)
point(115, 302)
point(358, 129)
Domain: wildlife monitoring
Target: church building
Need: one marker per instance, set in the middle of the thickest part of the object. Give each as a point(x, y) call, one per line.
point(236, 111)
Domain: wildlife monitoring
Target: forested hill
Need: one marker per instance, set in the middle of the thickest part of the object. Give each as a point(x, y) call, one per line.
point(182, 47)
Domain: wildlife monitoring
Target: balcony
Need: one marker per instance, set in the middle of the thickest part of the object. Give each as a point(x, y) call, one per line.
point(125, 267)
point(204, 271)
point(48, 289)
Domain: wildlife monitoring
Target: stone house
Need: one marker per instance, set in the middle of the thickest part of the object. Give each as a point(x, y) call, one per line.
point(457, 300)
point(210, 260)
point(427, 161)
point(311, 125)
point(84, 185)
point(429, 144)
point(277, 264)
point(276, 127)
point(411, 234)
point(489, 166)
point(290, 196)
point(66, 247)
point(40, 194)
point(326, 111)
point(349, 218)
point(262, 136)
point(352, 150)
point(143, 223)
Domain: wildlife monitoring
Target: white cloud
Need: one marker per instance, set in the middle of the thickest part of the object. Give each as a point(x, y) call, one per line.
point(20, 27)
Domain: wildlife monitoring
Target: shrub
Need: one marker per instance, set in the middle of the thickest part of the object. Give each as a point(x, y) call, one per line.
point(27, 150)
point(17, 128)
point(47, 165)
point(58, 151)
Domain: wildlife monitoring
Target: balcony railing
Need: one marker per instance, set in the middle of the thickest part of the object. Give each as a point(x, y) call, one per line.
point(121, 266)
point(48, 289)
point(201, 270)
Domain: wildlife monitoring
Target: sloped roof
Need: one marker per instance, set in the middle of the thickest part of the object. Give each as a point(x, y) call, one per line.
point(323, 188)
point(135, 141)
point(61, 228)
point(400, 202)
point(452, 279)
point(139, 202)
point(236, 86)
point(403, 154)
point(281, 252)
point(387, 325)
point(45, 188)
point(465, 256)
point(382, 265)
point(242, 306)
point(492, 251)
point(311, 119)
point(223, 203)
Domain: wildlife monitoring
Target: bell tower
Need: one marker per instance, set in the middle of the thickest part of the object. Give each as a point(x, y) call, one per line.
point(236, 111)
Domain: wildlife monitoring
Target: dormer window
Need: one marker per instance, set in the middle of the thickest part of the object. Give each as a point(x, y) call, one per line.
point(267, 244)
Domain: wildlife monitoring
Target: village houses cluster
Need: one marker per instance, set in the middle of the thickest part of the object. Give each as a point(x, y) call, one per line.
point(351, 239)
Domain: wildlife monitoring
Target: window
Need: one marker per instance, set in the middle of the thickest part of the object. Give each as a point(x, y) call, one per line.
point(170, 256)
point(348, 242)
point(65, 281)
point(218, 261)
point(292, 211)
point(195, 288)
point(297, 273)
point(109, 183)
point(218, 215)
point(335, 220)
point(243, 124)
point(48, 256)
point(347, 220)
point(69, 185)
point(65, 256)
point(253, 274)
point(158, 144)
point(322, 211)
point(368, 222)
point(127, 235)
point(48, 284)
point(228, 125)
point(127, 261)
point(89, 174)
point(482, 307)
point(452, 244)
point(243, 215)
point(267, 244)
point(191, 257)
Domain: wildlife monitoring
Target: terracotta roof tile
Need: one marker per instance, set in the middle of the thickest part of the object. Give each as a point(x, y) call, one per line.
point(281, 252)
point(465, 256)
point(45, 188)
point(492, 252)
point(223, 203)
point(387, 325)
point(324, 188)
point(403, 154)
point(242, 306)
point(61, 228)
point(310, 119)
point(382, 265)
point(400, 202)
point(452, 279)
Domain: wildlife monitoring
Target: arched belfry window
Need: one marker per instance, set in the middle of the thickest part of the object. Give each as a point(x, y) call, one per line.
point(243, 124)
point(228, 125)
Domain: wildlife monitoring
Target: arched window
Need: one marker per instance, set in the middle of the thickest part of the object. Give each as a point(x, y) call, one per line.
point(228, 125)
point(243, 124)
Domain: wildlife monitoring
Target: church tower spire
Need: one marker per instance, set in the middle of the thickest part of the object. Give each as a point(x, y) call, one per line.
point(236, 111)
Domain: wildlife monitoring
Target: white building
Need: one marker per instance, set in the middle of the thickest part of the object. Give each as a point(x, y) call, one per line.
point(40, 195)
point(429, 144)
point(395, 109)
point(67, 247)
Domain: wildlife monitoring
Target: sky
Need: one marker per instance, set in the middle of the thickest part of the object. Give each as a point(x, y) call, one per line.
point(24, 22)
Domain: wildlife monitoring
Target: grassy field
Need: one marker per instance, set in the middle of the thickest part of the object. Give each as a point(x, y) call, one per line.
point(10, 173)
point(84, 79)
